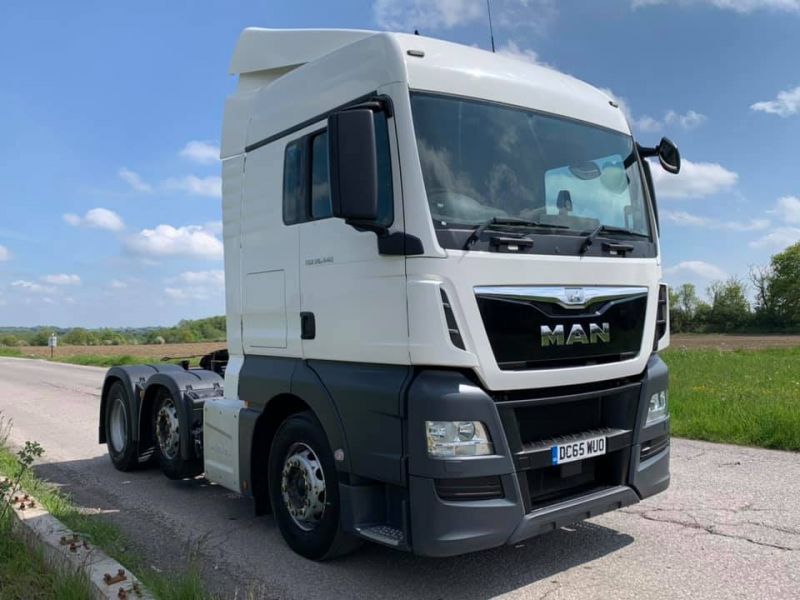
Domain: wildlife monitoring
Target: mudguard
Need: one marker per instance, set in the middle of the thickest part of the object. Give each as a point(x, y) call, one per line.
point(189, 390)
point(134, 378)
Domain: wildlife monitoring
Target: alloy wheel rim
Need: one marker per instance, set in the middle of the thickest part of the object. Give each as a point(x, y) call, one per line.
point(303, 486)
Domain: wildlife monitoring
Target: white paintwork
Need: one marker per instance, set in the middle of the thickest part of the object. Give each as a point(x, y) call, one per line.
point(372, 308)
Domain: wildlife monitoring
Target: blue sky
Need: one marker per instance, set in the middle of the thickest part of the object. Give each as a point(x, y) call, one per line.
point(110, 115)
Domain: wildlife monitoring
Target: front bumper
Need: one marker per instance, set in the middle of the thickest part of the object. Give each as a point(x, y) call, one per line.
point(536, 497)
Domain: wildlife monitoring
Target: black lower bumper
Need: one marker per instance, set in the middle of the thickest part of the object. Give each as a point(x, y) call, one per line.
point(536, 496)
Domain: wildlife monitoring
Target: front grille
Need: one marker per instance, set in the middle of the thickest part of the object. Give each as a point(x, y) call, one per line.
point(531, 333)
point(534, 425)
point(470, 488)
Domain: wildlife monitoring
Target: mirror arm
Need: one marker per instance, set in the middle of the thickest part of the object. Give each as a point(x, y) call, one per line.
point(646, 152)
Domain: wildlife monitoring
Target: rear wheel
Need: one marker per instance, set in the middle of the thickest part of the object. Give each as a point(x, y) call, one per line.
point(167, 433)
point(304, 490)
point(124, 452)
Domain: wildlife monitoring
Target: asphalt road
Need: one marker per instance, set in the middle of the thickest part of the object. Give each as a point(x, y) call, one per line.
point(728, 527)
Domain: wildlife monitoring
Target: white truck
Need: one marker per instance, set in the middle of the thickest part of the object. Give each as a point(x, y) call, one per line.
point(444, 302)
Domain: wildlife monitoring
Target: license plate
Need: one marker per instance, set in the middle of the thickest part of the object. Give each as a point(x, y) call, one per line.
point(564, 453)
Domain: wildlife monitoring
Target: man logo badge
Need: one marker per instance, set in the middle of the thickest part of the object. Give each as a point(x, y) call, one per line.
point(577, 335)
point(575, 295)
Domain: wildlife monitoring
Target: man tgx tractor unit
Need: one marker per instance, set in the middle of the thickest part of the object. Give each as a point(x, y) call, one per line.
point(444, 302)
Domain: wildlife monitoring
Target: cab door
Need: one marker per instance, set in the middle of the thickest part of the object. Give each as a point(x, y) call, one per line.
point(352, 299)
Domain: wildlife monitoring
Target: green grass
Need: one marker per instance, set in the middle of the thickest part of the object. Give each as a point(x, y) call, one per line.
point(98, 531)
point(24, 575)
point(100, 360)
point(97, 360)
point(748, 397)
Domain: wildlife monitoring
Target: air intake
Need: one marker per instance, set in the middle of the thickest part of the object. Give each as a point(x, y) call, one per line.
point(661, 314)
point(452, 326)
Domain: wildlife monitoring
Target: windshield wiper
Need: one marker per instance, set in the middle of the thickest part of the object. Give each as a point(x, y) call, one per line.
point(589, 239)
point(509, 222)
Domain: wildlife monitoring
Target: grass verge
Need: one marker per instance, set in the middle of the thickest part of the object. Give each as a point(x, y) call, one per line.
point(748, 397)
point(97, 530)
point(24, 574)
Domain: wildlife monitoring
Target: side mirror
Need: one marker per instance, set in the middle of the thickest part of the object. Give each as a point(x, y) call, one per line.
point(669, 156)
point(353, 165)
point(667, 153)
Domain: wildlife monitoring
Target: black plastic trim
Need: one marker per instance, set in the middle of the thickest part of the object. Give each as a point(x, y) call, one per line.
point(399, 243)
point(385, 100)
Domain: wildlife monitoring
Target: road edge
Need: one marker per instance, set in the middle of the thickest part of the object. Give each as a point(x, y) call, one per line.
point(65, 550)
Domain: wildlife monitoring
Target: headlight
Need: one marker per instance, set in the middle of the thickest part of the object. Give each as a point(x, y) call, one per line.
point(658, 407)
point(457, 438)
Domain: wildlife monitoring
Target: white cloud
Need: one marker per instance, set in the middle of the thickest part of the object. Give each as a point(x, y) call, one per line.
point(62, 279)
point(196, 285)
point(4, 254)
point(134, 180)
point(696, 180)
point(432, 15)
point(210, 186)
point(117, 284)
point(684, 218)
point(97, 218)
point(788, 208)
point(214, 277)
point(648, 124)
point(191, 241)
point(513, 50)
point(687, 121)
point(786, 104)
point(407, 15)
point(31, 286)
point(202, 152)
point(739, 6)
point(778, 239)
point(697, 267)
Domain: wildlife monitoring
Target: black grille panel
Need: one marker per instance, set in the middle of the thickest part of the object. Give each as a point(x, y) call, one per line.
point(452, 326)
point(470, 488)
point(514, 327)
point(534, 425)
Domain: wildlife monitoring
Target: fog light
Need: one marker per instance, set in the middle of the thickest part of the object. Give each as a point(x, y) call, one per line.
point(448, 439)
point(658, 407)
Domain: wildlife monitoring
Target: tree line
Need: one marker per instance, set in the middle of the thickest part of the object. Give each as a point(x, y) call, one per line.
point(775, 305)
point(211, 329)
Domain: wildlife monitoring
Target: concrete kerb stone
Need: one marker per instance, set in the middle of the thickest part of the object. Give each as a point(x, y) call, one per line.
point(68, 552)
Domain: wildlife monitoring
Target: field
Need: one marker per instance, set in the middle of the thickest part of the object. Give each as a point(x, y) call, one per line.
point(718, 341)
point(104, 356)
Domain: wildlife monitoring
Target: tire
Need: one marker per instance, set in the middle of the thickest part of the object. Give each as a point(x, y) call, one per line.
point(124, 452)
point(167, 439)
point(300, 455)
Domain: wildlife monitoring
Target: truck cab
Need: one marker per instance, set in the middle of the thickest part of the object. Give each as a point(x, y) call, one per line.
point(443, 295)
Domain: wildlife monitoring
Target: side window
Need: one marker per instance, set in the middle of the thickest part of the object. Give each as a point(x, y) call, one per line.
point(385, 190)
point(306, 180)
point(320, 181)
point(294, 183)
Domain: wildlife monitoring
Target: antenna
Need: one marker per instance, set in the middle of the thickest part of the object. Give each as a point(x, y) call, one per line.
point(491, 29)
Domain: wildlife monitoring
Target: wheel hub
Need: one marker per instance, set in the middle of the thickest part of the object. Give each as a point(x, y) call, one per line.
point(168, 430)
point(303, 486)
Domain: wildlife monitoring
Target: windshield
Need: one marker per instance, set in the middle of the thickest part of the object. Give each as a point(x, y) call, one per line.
point(483, 160)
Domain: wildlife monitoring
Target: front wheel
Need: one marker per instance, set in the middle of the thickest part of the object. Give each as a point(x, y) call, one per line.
point(304, 490)
point(167, 433)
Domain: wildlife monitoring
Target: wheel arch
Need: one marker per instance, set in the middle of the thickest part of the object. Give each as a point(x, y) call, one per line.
point(293, 388)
